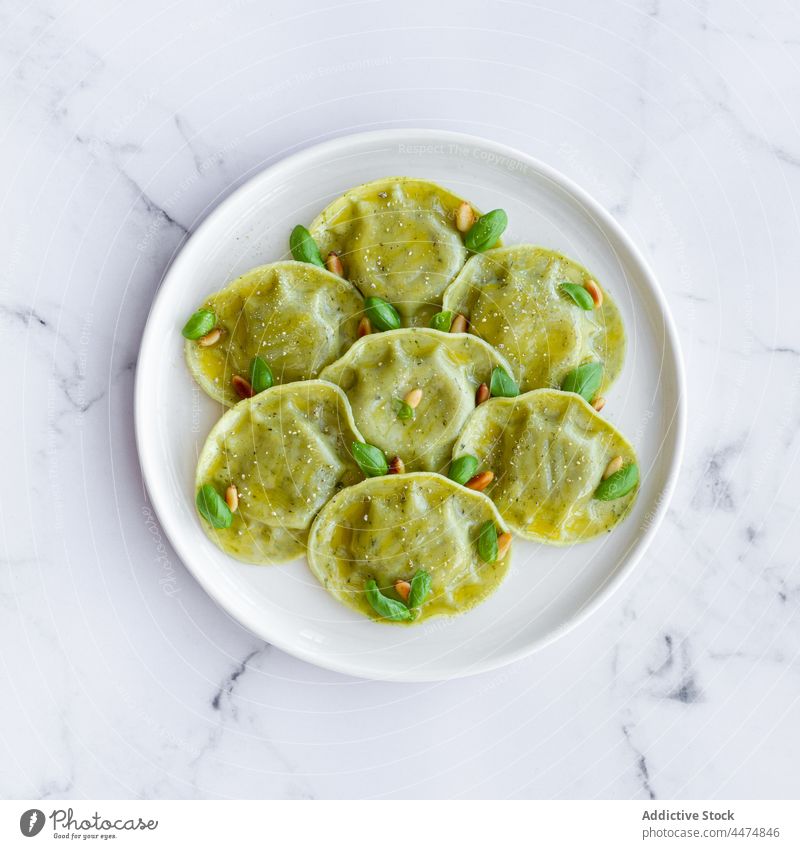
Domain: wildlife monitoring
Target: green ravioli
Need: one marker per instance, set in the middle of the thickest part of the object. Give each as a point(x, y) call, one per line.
point(520, 300)
point(295, 316)
point(548, 450)
point(391, 528)
point(380, 370)
point(287, 451)
point(398, 241)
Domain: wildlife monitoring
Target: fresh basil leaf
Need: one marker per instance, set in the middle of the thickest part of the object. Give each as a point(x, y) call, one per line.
point(502, 385)
point(201, 323)
point(388, 608)
point(585, 380)
point(420, 588)
point(381, 314)
point(487, 542)
point(260, 375)
point(371, 460)
point(303, 247)
point(578, 294)
point(442, 321)
point(485, 232)
point(463, 468)
point(212, 507)
point(404, 411)
point(619, 484)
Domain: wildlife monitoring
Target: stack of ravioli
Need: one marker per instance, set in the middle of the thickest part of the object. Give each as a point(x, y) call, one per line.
point(402, 407)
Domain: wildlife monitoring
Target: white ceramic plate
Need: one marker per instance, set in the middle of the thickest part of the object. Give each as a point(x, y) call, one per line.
point(548, 590)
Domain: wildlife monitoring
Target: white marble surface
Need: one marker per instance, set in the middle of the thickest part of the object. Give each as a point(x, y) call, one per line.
point(124, 124)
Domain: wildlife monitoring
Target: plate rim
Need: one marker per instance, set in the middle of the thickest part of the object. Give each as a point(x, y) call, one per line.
point(605, 220)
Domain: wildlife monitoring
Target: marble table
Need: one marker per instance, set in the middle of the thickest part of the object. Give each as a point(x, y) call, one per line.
point(124, 125)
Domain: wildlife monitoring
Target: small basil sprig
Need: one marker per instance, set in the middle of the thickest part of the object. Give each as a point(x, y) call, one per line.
point(578, 294)
point(618, 484)
point(371, 460)
point(487, 542)
point(260, 375)
point(303, 247)
point(442, 321)
point(404, 411)
point(388, 608)
point(463, 468)
point(201, 323)
point(502, 385)
point(381, 314)
point(485, 232)
point(585, 380)
point(420, 588)
point(212, 507)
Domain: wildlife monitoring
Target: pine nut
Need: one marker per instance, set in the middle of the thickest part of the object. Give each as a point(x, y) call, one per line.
point(599, 403)
point(232, 498)
point(459, 324)
point(211, 338)
point(242, 387)
point(334, 264)
point(595, 291)
point(480, 481)
point(413, 398)
point(396, 466)
point(503, 544)
point(465, 217)
point(481, 394)
point(403, 589)
point(614, 466)
point(364, 327)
